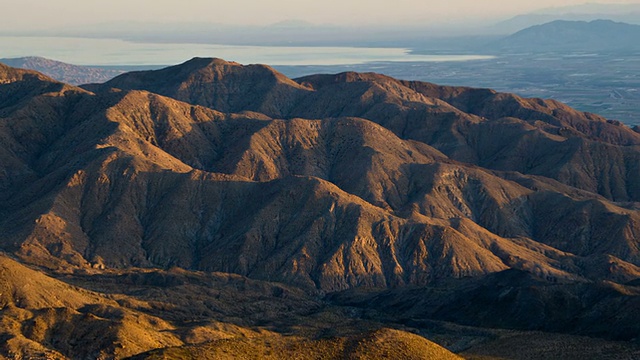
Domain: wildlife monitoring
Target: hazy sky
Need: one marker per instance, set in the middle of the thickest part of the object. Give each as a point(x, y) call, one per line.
point(37, 14)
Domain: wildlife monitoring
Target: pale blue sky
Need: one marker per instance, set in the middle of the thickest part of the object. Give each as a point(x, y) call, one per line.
point(37, 14)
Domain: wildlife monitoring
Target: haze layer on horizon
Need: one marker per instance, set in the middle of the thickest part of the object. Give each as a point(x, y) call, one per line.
point(48, 14)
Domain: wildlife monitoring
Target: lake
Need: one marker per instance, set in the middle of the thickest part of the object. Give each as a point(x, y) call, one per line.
point(84, 51)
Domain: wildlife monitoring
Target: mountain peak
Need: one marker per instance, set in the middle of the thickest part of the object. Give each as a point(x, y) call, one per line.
point(207, 61)
point(221, 85)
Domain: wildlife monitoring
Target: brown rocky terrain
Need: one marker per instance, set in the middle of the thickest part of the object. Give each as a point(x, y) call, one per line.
point(211, 200)
point(380, 344)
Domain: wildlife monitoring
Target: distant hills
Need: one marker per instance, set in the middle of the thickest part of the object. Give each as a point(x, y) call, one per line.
point(568, 36)
point(417, 34)
point(68, 73)
point(628, 13)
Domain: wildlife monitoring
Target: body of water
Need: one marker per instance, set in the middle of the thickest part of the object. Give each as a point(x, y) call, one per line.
point(84, 51)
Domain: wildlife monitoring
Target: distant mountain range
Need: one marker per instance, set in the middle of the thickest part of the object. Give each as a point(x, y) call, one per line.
point(570, 36)
point(297, 32)
point(71, 74)
point(68, 73)
point(628, 13)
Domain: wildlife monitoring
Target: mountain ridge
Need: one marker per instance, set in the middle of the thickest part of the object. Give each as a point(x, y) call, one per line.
point(570, 36)
point(264, 163)
point(382, 100)
point(314, 186)
point(68, 73)
point(627, 13)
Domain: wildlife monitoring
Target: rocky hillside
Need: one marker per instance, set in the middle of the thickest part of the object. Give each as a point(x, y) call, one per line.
point(322, 184)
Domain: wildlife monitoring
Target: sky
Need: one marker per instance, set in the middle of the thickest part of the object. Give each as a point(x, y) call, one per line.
point(43, 14)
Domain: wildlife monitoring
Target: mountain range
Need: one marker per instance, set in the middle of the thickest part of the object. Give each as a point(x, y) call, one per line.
point(213, 208)
point(571, 36)
point(557, 37)
point(418, 34)
point(626, 13)
point(71, 74)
